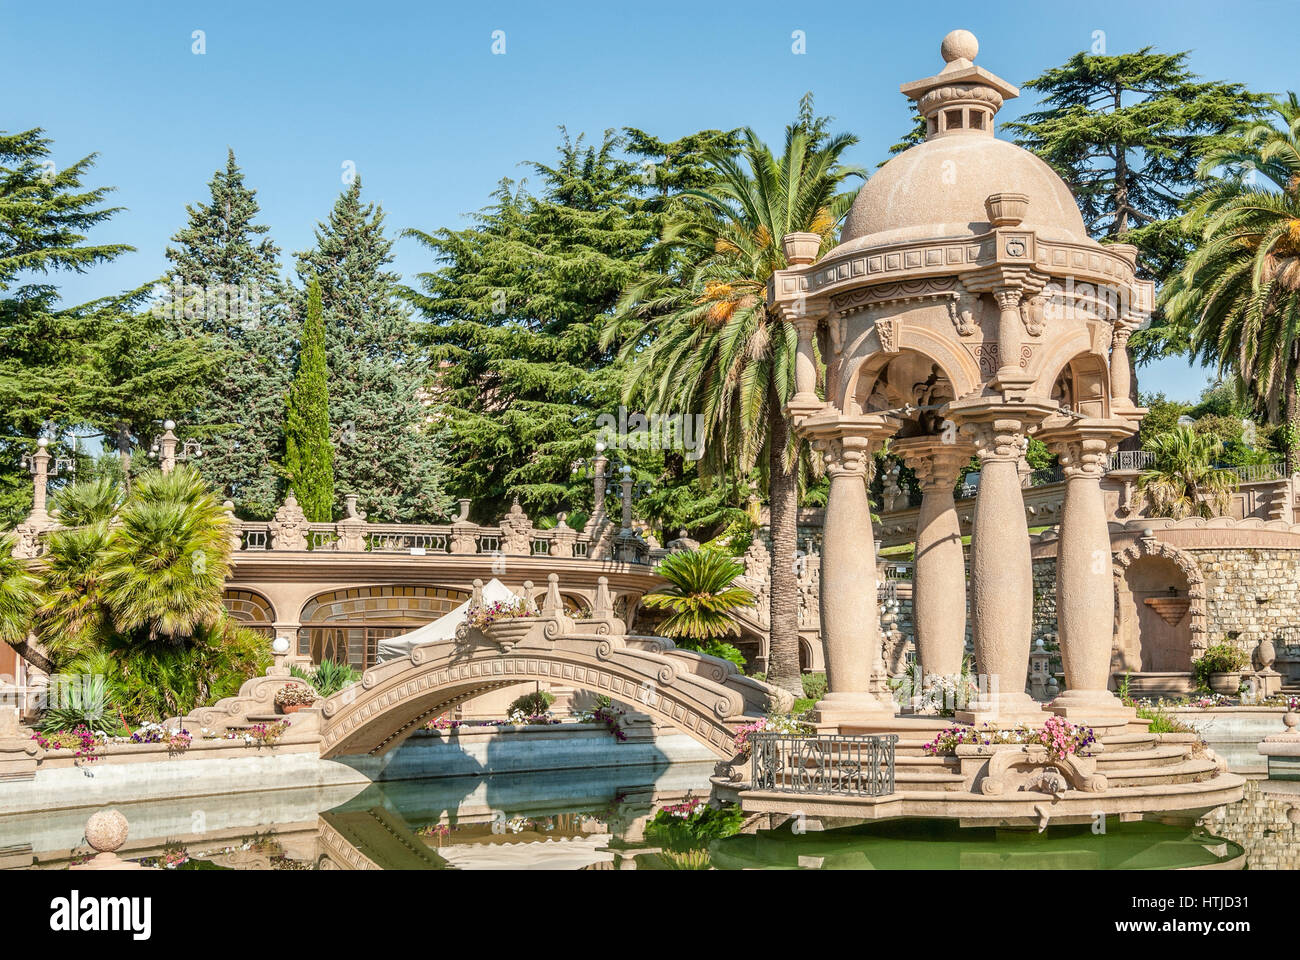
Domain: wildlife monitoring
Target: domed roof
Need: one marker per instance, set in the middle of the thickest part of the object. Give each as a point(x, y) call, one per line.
point(938, 188)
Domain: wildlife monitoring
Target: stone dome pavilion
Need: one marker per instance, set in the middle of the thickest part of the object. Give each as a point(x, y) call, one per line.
point(964, 310)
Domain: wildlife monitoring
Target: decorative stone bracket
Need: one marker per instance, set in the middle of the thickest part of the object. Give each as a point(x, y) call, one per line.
point(1009, 768)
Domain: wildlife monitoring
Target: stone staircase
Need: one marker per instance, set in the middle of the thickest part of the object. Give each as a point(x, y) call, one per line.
point(1129, 757)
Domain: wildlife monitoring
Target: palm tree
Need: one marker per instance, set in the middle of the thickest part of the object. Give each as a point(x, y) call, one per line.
point(1183, 481)
point(709, 344)
point(19, 597)
point(1238, 296)
point(166, 564)
point(700, 594)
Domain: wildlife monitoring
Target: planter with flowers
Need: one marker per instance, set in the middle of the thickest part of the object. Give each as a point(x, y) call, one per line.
point(1219, 668)
point(505, 622)
point(295, 698)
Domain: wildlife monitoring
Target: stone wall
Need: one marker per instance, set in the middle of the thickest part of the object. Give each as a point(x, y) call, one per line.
point(1251, 594)
point(1259, 823)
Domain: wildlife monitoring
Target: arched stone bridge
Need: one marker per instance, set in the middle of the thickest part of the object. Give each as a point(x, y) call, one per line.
point(704, 697)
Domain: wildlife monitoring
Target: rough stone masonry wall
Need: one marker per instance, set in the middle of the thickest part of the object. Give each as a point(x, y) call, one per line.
point(1259, 823)
point(1251, 594)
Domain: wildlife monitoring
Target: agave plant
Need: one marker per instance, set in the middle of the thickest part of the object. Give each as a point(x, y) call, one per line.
point(700, 594)
point(1183, 481)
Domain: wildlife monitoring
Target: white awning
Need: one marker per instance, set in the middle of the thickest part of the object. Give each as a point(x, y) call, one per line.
point(444, 628)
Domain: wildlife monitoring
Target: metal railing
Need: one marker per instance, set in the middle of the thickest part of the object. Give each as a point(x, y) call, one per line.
point(1130, 460)
point(853, 766)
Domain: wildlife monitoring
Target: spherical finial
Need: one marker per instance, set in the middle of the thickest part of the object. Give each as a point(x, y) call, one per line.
point(42, 442)
point(169, 424)
point(959, 45)
point(106, 830)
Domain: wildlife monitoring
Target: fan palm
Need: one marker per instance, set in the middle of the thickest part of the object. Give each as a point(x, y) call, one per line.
point(19, 597)
point(700, 593)
point(166, 564)
point(1238, 296)
point(1183, 481)
point(709, 344)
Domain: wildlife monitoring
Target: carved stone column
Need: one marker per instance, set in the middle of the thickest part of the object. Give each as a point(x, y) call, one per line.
point(1085, 592)
point(1001, 572)
point(805, 365)
point(850, 616)
point(939, 579)
point(1008, 298)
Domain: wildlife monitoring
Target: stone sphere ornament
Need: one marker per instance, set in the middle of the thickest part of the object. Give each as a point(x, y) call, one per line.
point(106, 830)
point(959, 45)
point(280, 645)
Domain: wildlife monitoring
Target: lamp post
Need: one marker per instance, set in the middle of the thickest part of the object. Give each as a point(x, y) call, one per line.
point(164, 448)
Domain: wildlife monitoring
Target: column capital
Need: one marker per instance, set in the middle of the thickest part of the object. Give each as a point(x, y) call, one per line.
point(848, 442)
point(1083, 445)
point(998, 430)
point(936, 460)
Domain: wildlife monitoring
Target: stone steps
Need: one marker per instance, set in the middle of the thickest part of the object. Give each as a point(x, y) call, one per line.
point(1120, 761)
point(1189, 771)
point(1128, 742)
point(952, 782)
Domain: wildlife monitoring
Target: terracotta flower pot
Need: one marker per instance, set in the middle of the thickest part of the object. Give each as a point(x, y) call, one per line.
point(1228, 684)
point(293, 707)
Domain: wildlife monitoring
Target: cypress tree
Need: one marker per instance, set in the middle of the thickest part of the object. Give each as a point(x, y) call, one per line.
point(309, 456)
point(386, 449)
point(225, 284)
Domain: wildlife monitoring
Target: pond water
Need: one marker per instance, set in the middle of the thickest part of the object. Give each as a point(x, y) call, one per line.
point(603, 819)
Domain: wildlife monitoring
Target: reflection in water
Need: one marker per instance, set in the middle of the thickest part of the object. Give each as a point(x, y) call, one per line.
point(620, 819)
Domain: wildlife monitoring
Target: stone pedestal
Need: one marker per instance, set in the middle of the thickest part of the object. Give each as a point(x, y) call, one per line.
point(1085, 591)
point(939, 578)
point(850, 615)
point(1001, 573)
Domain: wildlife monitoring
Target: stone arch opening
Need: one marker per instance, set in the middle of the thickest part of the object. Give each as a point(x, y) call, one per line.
point(250, 609)
point(889, 381)
point(1082, 384)
point(346, 625)
point(1160, 610)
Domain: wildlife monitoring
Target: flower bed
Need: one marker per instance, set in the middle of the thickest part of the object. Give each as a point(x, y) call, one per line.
point(783, 723)
point(1061, 738)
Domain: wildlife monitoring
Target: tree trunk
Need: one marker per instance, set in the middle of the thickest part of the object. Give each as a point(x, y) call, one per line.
point(124, 451)
point(783, 495)
point(33, 656)
point(1292, 414)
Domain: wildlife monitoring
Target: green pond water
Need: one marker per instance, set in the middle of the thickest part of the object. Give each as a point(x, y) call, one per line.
point(581, 819)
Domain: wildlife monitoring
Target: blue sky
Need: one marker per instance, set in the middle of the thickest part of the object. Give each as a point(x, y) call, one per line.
point(412, 95)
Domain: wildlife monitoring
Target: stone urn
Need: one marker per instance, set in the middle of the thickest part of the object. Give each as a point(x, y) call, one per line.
point(1228, 684)
point(1006, 209)
point(510, 631)
point(801, 248)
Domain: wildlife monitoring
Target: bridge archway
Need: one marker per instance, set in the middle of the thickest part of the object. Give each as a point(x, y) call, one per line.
point(701, 696)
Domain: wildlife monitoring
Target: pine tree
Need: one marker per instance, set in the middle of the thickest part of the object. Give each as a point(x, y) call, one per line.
point(514, 317)
point(224, 283)
point(387, 450)
point(1126, 133)
point(45, 349)
point(309, 456)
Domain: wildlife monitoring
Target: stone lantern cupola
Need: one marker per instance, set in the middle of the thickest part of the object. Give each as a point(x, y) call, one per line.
point(962, 98)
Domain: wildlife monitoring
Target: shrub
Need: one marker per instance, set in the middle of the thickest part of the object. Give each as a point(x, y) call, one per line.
point(532, 704)
point(1219, 658)
point(814, 686)
point(329, 677)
